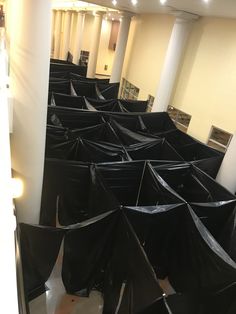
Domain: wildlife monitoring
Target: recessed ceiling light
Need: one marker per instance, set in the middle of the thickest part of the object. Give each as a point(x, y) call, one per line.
point(163, 2)
point(206, 1)
point(114, 2)
point(134, 2)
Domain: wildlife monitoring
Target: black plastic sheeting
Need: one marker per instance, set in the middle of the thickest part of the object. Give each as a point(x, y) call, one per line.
point(128, 137)
point(105, 253)
point(119, 105)
point(100, 133)
point(53, 60)
point(58, 86)
point(128, 194)
point(210, 201)
point(154, 150)
point(127, 258)
point(74, 192)
point(109, 91)
point(68, 68)
point(76, 145)
point(104, 260)
point(192, 150)
point(75, 119)
point(157, 229)
point(63, 100)
point(87, 151)
point(75, 76)
point(87, 89)
point(80, 102)
point(134, 128)
point(39, 250)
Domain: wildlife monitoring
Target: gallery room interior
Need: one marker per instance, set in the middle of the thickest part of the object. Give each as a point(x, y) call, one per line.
point(118, 147)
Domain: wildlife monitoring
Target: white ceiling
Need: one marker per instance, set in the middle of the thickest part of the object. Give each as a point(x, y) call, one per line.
point(219, 8)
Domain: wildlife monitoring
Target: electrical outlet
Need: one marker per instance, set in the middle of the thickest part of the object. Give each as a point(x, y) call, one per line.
point(105, 67)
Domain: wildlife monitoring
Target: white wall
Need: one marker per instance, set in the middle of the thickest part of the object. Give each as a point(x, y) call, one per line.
point(105, 55)
point(146, 49)
point(206, 84)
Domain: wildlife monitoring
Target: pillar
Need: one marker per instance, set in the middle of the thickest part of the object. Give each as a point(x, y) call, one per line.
point(180, 33)
point(66, 36)
point(72, 31)
point(95, 40)
point(29, 75)
point(57, 34)
point(53, 17)
point(226, 175)
point(9, 301)
point(120, 49)
point(78, 36)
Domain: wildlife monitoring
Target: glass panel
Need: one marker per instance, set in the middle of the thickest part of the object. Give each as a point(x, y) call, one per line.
point(127, 85)
point(184, 118)
point(172, 112)
point(129, 91)
point(220, 136)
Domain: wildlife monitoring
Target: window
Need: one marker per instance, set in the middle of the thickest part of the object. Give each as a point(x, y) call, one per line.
point(84, 56)
point(219, 139)
point(128, 90)
point(150, 103)
point(180, 118)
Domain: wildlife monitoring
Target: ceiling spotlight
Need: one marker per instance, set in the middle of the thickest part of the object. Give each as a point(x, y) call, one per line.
point(163, 2)
point(134, 2)
point(112, 19)
point(206, 1)
point(114, 2)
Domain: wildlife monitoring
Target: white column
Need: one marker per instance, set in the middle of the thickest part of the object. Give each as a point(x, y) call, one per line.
point(9, 301)
point(95, 40)
point(180, 33)
point(227, 172)
point(120, 49)
point(66, 36)
point(53, 17)
point(78, 36)
point(71, 31)
point(57, 34)
point(29, 75)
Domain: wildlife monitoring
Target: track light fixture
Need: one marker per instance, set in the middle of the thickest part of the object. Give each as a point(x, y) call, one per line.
point(114, 2)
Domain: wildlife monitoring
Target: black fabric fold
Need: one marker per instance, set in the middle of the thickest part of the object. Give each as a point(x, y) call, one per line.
point(39, 250)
